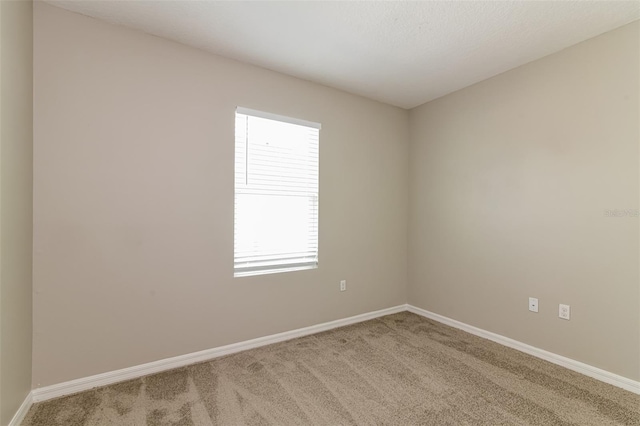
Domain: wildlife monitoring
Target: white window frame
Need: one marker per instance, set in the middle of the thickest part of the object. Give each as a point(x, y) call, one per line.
point(255, 254)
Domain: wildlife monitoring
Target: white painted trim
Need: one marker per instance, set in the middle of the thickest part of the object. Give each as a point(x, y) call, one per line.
point(85, 383)
point(284, 118)
point(580, 367)
point(22, 411)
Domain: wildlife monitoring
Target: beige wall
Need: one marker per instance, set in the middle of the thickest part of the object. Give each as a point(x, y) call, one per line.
point(506, 194)
point(16, 144)
point(509, 183)
point(133, 193)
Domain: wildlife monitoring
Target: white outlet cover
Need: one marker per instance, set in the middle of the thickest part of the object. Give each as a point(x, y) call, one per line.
point(564, 311)
point(533, 304)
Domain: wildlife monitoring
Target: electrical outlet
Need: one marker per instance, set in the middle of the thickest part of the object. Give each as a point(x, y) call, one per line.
point(343, 285)
point(564, 312)
point(533, 304)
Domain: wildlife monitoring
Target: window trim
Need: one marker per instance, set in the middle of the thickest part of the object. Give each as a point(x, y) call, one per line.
point(283, 118)
point(256, 268)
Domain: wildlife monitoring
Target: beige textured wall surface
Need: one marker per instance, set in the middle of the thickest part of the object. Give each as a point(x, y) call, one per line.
point(133, 198)
point(509, 183)
point(16, 166)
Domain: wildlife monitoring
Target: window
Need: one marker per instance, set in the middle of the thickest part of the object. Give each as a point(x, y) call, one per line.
point(276, 193)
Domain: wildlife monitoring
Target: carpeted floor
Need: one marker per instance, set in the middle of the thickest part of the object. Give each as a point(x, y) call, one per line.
point(401, 369)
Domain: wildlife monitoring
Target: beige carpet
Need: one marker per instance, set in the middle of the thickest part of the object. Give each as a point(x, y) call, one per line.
point(401, 369)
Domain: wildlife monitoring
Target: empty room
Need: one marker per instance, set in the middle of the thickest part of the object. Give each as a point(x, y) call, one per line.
point(319, 213)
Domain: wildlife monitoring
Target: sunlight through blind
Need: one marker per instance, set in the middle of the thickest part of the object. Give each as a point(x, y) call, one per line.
point(276, 193)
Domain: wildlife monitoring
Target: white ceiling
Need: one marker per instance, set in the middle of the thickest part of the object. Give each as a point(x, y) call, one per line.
point(401, 53)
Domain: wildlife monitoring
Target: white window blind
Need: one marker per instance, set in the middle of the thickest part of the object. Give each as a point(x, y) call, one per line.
point(276, 193)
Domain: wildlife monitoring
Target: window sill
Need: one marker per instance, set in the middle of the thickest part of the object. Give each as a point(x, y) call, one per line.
point(238, 274)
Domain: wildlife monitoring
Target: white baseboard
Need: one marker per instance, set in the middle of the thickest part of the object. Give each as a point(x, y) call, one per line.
point(85, 383)
point(580, 367)
point(22, 411)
